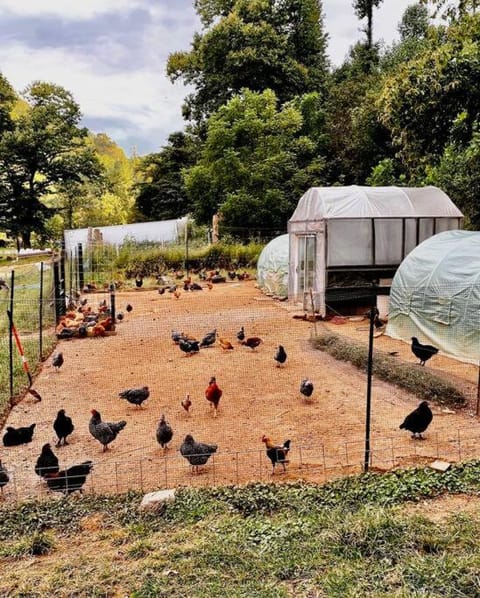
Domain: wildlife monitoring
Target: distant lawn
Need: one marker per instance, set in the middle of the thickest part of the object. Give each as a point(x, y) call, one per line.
point(355, 537)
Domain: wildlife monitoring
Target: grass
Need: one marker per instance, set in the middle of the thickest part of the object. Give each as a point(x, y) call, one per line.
point(355, 537)
point(27, 322)
point(419, 381)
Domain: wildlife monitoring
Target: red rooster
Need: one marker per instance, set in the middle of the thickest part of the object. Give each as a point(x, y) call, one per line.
point(213, 394)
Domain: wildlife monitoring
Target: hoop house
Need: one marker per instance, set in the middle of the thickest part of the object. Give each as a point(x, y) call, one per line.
point(435, 295)
point(272, 267)
point(337, 231)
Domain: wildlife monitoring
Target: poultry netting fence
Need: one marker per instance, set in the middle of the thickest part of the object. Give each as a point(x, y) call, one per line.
point(260, 398)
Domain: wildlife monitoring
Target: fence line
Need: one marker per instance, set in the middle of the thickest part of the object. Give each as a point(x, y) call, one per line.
point(314, 463)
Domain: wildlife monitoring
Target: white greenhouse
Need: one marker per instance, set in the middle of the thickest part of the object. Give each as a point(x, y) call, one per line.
point(338, 233)
point(272, 267)
point(435, 295)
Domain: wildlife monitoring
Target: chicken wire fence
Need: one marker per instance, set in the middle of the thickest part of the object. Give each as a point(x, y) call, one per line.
point(27, 293)
point(311, 463)
point(258, 398)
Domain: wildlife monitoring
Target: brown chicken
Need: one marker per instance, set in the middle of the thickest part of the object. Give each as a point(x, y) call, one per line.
point(252, 342)
point(186, 403)
point(213, 394)
point(226, 345)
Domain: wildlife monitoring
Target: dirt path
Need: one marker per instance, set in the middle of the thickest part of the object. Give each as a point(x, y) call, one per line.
point(258, 398)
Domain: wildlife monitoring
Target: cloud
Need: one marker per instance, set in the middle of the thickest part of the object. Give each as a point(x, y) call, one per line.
point(66, 10)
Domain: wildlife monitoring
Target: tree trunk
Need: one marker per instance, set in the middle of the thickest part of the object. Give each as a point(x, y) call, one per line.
point(26, 239)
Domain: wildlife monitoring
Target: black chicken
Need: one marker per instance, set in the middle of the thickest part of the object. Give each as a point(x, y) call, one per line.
point(209, 339)
point(47, 462)
point(63, 427)
point(277, 453)
point(241, 334)
point(423, 352)
point(4, 477)
point(104, 432)
point(418, 420)
point(280, 356)
point(129, 307)
point(139, 281)
point(57, 361)
point(164, 432)
point(135, 396)
point(16, 436)
point(71, 479)
point(306, 387)
point(196, 453)
point(189, 347)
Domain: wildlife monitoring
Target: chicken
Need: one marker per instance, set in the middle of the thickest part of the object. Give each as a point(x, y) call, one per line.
point(135, 396)
point(57, 361)
point(120, 316)
point(47, 462)
point(241, 334)
point(161, 291)
point(71, 479)
point(176, 294)
point(280, 356)
point(188, 347)
point(196, 287)
point(213, 394)
point(4, 477)
point(63, 427)
point(16, 436)
point(104, 432)
point(226, 345)
point(186, 403)
point(128, 307)
point(277, 453)
point(209, 339)
point(164, 432)
point(196, 453)
point(139, 281)
point(418, 420)
point(252, 342)
point(423, 352)
point(232, 274)
point(306, 388)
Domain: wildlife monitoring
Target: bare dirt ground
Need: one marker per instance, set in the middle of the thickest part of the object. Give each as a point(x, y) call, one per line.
point(258, 398)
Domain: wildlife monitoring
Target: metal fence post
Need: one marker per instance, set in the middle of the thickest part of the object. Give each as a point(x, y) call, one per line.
point(81, 280)
point(10, 334)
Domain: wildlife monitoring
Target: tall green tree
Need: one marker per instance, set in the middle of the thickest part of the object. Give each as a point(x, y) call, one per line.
point(43, 149)
point(255, 164)
point(161, 193)
point(364, 10)
point(260, 44)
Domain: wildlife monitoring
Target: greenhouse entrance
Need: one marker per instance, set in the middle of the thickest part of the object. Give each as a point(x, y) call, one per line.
point(306, 265)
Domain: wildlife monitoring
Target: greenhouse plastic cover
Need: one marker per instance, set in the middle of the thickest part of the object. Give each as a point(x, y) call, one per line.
point(435, 295)
point(272, 267)
point(320, 203)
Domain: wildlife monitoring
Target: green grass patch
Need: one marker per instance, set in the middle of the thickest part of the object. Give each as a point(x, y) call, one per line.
point(417, 380)
point(348, 538)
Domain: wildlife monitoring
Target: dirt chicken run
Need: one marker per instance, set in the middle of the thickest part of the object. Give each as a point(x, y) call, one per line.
point(258, 398)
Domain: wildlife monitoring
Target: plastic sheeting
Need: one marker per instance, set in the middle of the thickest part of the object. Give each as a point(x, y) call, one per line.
point(272, 267)
point(326, 203)
point(435, 295)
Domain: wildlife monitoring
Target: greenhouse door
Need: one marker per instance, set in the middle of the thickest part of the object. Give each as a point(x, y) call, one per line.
point(306, 264)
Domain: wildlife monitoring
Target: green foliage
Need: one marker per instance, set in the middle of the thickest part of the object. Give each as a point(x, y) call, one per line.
point(161, 193)
point(40, 149)
point(423, 384)
point(252, 168)
point(257, 45)
point(37, 544)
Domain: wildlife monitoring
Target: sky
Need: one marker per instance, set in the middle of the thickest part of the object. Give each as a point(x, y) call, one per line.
point(111, 55)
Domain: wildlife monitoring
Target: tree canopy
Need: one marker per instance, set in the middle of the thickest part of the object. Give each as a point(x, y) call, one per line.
point(40, 150)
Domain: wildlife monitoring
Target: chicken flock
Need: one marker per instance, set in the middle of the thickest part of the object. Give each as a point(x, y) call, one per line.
point(197, 453)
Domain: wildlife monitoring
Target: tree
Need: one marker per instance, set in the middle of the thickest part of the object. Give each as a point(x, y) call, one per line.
point(415, 23)
point(364, 9)
point(43, 149)
point(264, 44)
point(453, 11)
point(420, 103)
point(255, 164)
point(161, 193)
